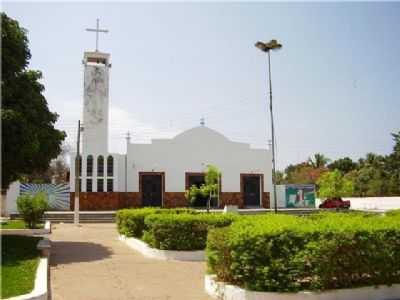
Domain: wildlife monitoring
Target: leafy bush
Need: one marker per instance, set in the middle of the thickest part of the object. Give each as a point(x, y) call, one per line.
point(393, 213)
point(130, 222)
point(182, 231)
point(219, 257)
point(32, 208)
point(287, 253)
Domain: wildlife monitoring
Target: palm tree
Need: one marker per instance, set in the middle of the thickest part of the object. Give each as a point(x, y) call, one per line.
point(318, 161)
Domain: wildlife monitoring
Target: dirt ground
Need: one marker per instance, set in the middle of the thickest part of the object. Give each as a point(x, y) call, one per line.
point(89, 263)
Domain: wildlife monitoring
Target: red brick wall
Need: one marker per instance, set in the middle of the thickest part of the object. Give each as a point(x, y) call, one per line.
point(265, 200)
point(118, 200)
point(106, 201)
point(231, 198)
point(175, 199)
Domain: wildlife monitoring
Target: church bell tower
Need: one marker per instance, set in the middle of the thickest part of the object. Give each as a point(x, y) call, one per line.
point(96, 100)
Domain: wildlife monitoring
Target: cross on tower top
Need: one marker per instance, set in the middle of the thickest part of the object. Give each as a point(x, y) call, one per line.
point(97, 30)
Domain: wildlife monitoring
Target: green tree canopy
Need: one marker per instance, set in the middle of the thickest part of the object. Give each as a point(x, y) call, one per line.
point(344, 165)
point(334, 184)
point(29, 139)
point(318, 161)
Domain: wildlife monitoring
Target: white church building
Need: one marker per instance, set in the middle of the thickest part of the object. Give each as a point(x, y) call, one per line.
point(157, 174)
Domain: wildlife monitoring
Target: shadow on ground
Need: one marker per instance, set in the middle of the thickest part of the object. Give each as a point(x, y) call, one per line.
point(74, 252)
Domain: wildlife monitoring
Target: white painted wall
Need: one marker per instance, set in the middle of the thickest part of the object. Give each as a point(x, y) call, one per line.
point(191, 151)
point(11, 198)
point(118, 176)
point(95, 108)
point(281, 196)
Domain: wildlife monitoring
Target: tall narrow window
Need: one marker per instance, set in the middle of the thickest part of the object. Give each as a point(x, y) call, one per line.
point(110, 166)
point(100, 185)
point(89, 165)
point(100, 166)
point(80, 165)
point(110, 184)
point(80, 185)
point(89, 185)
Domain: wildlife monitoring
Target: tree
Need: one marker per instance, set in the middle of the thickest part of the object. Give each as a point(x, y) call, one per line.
point(333, 185)
point(32, 208)
point(209, 189)
point(344, 165)
point(56, 172)
point(303, 173)
point(29, 139)
point(318, 161)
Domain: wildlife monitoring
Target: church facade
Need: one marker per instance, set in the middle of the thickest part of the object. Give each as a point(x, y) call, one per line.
point(159, 173)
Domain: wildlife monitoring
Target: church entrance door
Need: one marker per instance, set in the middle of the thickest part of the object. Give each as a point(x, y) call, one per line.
point(251, 189)
point(152, 187)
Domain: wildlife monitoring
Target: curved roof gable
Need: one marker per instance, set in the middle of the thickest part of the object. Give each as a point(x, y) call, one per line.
point(201, 132)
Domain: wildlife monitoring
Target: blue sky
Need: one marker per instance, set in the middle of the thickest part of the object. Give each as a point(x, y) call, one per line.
point(335, 81)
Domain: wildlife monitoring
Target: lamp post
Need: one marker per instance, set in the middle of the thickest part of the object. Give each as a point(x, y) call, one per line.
point(78, 166)
point(267, 47)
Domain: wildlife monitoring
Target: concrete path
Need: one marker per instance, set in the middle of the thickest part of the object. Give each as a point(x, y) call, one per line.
point(89, 263)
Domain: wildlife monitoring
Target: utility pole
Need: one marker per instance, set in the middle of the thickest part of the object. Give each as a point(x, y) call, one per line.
point(128, 140)
point(78, 164)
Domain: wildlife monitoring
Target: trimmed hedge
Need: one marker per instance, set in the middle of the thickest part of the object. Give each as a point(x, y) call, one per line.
point(282, 253)
point(130, 222)
point(182, 231)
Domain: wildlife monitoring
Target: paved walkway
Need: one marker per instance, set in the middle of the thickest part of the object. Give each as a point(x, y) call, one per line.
point(89, 263)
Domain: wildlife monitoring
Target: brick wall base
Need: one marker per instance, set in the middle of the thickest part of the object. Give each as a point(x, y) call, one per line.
point(117, 200)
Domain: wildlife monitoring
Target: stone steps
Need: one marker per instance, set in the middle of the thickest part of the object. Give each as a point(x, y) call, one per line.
point(84, 217)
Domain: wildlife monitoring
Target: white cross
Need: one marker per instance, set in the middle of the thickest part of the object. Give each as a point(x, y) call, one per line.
point(97, 30)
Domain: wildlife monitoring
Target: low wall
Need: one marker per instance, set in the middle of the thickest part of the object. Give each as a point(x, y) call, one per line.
point(224, 291)
point(149, 252)
point(371, 203)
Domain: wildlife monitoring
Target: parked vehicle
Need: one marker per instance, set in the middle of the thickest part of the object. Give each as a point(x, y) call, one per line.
point(335, 203)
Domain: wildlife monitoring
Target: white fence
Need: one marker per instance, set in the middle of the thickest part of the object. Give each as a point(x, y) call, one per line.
point(371, 203)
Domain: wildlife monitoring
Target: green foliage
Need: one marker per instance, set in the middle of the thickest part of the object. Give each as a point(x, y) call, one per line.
point(17, 224)
point(334, 184)
point(182, 231)
point(218, 253)
point(194, 193)
point(20, 258)
point(318, 161)
point(374, 175)
point(288, 254)
point(29, 139)
point(393, 213)
point(208, 190)
point(344, 165)
point(32, 208)
point(130, 222)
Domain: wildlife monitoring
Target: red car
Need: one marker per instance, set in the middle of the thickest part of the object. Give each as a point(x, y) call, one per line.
point(335, 203)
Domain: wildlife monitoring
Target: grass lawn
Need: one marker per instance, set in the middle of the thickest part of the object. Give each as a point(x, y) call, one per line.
point(17, 224)
point(19, 261)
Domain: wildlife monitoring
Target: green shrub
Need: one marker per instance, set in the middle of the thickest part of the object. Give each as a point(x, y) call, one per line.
point(130, 222)
point(182, 231)
point(32, 208)
point(218, 253)
point(287, 253)
point(393, 213)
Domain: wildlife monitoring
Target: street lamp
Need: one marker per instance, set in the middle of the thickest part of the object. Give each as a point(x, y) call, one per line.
point(267, 47)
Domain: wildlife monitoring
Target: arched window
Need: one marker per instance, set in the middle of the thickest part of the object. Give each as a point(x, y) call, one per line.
point(100, 166)
point(110, 166)
point(89, 166)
